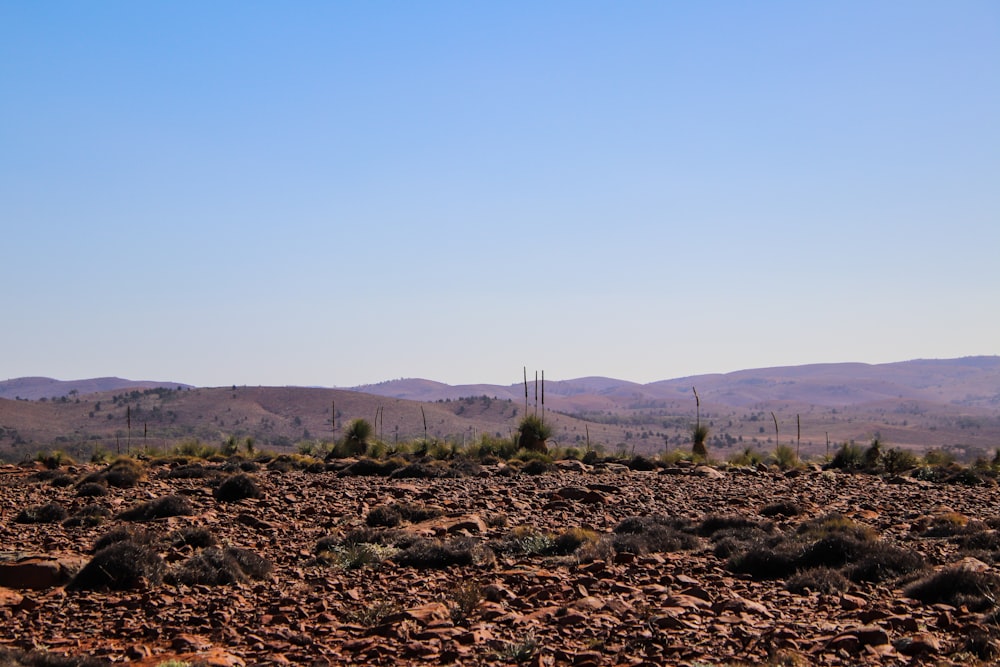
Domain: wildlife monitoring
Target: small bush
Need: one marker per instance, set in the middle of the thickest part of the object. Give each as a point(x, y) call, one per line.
point(817, 580)
point(190, 471)
point(957, 586)
point(122, 534)
point(833, 550)
point(193, 536)
point(384, 515)
point(536, 467)
point(532, 433)
point(210, 567)
point(524, 541)
point(898, 460)
point(253, 564)
point(571, 539)
point(764, 561)
point(849, 457)
point(13, 658)
point(464, 601)
point(783, 508)
point(48, 513)
point(419, 470)
point(835, 524)
point(123, 474)
point(88, 516)
point(120, 566)
point(371, 468)
point(61, 481)
point(91, 490)
point(640, 535)
point(713, 523)
point(428, 553)
point(884, 562)
point(236, 488)
point(356, 436)
point(160, 508)
point(785, 457)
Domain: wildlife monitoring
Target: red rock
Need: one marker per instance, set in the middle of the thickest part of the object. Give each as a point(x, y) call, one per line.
point(872, 635)
point(9, 598)
point(918, 644)
point(39, 572)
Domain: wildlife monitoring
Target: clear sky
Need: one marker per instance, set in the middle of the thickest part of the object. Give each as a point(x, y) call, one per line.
point(337, 193)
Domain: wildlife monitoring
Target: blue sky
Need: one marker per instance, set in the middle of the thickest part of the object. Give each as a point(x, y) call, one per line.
point(342, 193)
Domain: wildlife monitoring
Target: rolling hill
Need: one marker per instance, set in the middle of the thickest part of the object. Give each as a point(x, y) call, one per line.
point(917, 404)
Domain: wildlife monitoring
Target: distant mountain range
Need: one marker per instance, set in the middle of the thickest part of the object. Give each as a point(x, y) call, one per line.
point(35, 388)
point(969, 381)
point(918, 404)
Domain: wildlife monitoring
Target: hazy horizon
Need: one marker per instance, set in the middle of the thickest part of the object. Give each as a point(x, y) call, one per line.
point(337, 194)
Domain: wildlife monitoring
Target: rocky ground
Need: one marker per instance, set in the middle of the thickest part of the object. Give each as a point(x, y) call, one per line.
point(509, 582)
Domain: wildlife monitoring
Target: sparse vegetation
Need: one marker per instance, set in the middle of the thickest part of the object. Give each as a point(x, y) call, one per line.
point(236, 488)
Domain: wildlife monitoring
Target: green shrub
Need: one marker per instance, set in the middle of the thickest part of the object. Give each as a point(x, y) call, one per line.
point(571, 539)
point(699, 437)
point(938, 457)
point(849, 457)
point(748, 457)
point(785, 457)
point(898, 460)
point(356, 436)
point(532, 434)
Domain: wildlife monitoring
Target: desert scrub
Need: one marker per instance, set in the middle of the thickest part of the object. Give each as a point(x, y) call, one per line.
point(849, 457)
point(733, 523)
point(88, 516)
point(356, 437)
point(133, 534)
point(236, 488)
point(123, 473)
point(648, 534)
point(524, 541)
point(192, 536)
point(372, 468)
point(433, 553)
point(532, 434)
point(835, 523)
point(48, 513)
point(160, 508)
point(748, 456)
point(785, 457)
point(784, 508)
point(817, 580)
point(352, 556)
point(463, 601)
point(572, 539)
point(957, 586)
point(372, 613)
point(882, 561)
point(121, 566)
point(91, 490)
point(392, 515)
point(220, 567)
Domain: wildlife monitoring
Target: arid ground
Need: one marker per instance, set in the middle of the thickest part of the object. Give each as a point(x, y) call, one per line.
point(581, 565)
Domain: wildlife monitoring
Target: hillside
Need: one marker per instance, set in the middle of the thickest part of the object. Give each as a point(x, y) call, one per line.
point(917, 404)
